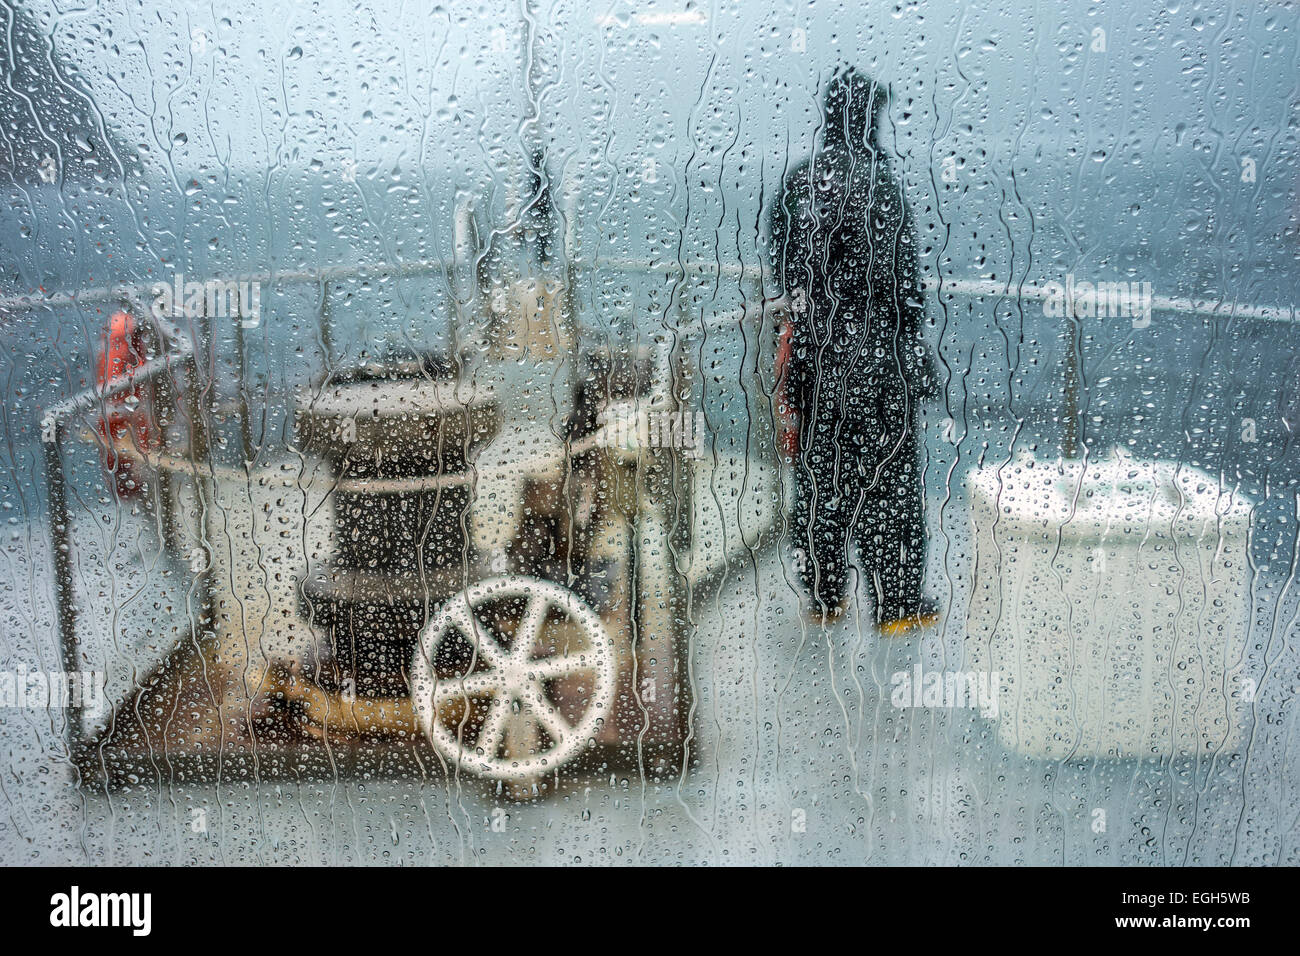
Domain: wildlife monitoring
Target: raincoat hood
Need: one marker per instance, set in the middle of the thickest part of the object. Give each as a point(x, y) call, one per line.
point(854, 107)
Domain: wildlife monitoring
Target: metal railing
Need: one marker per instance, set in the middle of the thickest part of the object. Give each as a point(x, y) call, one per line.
point(175, 372)
point(178, 355)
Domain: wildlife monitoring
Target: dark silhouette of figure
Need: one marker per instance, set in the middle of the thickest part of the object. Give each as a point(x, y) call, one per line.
point(844, 249)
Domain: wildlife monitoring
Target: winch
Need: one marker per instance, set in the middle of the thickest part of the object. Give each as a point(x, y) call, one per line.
point(400, 439)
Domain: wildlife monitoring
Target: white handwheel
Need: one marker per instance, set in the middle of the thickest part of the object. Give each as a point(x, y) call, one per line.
point(513, 702)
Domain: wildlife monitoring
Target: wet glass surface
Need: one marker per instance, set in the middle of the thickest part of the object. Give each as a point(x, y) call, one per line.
point(652, 433)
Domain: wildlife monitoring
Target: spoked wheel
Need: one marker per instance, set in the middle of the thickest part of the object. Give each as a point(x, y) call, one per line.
point(512, 676)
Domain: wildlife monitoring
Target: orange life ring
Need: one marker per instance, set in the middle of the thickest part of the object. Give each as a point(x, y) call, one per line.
point(129, 417)
point(789, 425)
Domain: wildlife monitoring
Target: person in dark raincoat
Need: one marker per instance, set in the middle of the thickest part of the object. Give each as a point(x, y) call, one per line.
point(843, 247)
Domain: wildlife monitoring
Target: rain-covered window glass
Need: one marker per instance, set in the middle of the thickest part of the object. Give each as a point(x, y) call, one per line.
point(649, 431)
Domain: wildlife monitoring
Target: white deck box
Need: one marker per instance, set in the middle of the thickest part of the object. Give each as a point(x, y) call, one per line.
point(1114, 605)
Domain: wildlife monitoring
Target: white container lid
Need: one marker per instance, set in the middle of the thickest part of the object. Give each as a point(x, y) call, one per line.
point(1113, 495)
